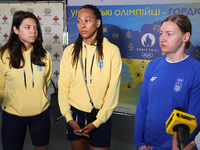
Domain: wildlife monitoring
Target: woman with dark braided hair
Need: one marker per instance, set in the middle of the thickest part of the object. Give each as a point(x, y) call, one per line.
point(90, 72)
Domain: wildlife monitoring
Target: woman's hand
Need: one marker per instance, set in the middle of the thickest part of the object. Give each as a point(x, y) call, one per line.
point(74, 124)
point(144, 147)
point(84, 131)
point(89, 128)
point(77, 129)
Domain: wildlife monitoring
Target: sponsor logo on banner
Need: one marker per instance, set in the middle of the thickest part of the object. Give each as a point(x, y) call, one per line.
point(31, 10)
point(48, 30)
point(147, 55)
point(48, 48)
point(12, 11)
point(148, 41)
point(47, 11)
point(56, 39)
point(56, 21)
point(5, 18)
point(135, 45)
point(56, 56)
point(5, 37)
point(56, 74)
point(40, 20)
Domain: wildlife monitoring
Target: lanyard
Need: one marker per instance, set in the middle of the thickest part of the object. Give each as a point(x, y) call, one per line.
point(25, 76)
point(85, 78)
point(91, 64)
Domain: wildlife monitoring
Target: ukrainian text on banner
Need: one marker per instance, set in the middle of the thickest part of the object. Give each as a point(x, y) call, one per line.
point(126, 2)
point(50, 16)
point(135, 30)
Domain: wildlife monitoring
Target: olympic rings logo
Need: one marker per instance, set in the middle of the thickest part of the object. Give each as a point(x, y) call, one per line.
point(147, 55)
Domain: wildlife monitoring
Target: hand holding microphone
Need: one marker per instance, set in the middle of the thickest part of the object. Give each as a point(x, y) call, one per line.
point(175, 146)
point(182, 123)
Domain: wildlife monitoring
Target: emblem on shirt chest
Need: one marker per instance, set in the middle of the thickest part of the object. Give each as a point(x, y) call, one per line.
point(100, 63)
point(178, 85)
point(39, 68)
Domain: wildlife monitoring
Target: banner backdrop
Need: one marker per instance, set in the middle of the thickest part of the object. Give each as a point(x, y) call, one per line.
point(50, 16)
point(135, 30)
point(126, 2)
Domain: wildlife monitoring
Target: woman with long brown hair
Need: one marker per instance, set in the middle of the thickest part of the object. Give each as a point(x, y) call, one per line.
point(25, 72)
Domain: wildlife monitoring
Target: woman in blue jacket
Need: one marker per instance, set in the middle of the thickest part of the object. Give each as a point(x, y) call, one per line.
point(170, 81)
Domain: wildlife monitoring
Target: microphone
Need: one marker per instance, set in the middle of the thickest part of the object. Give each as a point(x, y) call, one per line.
point(183, 123)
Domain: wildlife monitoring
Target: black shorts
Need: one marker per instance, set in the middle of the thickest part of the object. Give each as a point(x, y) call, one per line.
point(14, 128)
point(98, 138)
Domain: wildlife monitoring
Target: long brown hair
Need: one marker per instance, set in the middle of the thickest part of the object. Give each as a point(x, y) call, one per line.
point(77, 48)
point(15, 46)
